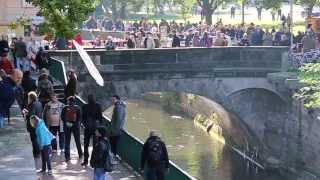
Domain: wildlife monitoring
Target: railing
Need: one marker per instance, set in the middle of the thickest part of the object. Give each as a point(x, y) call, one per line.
point(129, 146)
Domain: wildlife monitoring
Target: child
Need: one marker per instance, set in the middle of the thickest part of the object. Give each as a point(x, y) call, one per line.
point(100, 158)
point(44, 138)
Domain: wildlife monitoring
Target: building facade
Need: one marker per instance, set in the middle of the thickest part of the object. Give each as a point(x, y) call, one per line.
point(10, 11)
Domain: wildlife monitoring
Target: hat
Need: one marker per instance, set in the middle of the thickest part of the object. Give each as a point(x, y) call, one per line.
point(44, 71)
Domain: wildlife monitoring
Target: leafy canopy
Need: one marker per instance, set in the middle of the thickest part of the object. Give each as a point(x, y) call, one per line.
point(309, 76)
point(63, 17)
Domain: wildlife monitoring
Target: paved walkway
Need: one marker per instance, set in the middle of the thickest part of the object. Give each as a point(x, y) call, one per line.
point(17, 163)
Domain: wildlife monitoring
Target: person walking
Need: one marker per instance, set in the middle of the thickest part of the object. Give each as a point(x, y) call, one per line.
point(100, 154)
point(21, 55)
point(7, 95)
point(117, 122)
point(91, 118)
point(52, 116)
point(154, 158)
point(34, 107)
point(44, 138)
point(71, 117)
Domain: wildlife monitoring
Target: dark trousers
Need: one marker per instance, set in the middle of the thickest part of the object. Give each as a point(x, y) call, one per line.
point(45, 156)
point(154, 174)
point(75, 130)
point(55, 130)
point(88, 134)
point(35, 146)
point(114, 140)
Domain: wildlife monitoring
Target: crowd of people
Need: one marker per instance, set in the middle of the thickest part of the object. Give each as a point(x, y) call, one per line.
point(145, 34)
point(51, 122)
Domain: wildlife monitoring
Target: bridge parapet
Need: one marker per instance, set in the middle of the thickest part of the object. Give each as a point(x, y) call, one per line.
point(209, 62)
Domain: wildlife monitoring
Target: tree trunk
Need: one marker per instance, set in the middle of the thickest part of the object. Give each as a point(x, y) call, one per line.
point(310, 9)
point(114, 10)
point(242, 6)
point(123, 10)
point(209, 17)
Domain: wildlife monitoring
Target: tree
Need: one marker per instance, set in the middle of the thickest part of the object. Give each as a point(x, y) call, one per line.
point(186, 6)
point(62, 18)
point(309, 76)
point(209, 6)
point(309, 3)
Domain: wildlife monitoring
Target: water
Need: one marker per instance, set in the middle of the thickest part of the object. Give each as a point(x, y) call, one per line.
point(189, 147)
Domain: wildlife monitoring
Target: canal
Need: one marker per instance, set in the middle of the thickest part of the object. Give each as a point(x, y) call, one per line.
point(191, 148)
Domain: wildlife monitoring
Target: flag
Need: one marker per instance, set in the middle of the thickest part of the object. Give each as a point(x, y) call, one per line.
point(94, 72)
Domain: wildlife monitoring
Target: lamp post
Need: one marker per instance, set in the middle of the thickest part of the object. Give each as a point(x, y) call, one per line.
point(291, 24)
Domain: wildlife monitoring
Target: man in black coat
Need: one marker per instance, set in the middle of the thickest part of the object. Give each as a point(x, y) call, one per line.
point(91, 118)
point(154, 158)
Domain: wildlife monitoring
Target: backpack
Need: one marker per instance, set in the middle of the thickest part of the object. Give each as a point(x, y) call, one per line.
point(155, 153)
point(108, 167)
point(71, 114)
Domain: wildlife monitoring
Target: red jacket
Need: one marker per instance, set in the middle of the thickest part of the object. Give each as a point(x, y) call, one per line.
point(6, 65)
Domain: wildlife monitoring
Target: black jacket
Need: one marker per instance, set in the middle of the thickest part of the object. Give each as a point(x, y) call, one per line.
point(145, 153)
point(175, 41)
point(71, 88)
point(99, 153)
point(91, 113)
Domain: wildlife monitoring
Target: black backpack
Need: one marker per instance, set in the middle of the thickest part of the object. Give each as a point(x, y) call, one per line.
point(108, 167)
point(155, 152)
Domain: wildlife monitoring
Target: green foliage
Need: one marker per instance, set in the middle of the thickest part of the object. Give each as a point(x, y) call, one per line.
point(309, 76)
point(185, 8)
point(62, 18)
point(308, 2)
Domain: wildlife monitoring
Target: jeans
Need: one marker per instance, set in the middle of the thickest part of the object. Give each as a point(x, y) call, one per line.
point(35, 146)
point(45, 156)
point(23, 63)
point(1, 120)
point(99, 174)
point(88, 133)
point(75, 130)
point(55, 130)
point(114, 140)
point(154, 173)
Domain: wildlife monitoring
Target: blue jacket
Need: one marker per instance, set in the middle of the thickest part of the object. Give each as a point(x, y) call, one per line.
point(7, 95)
point(44, 136)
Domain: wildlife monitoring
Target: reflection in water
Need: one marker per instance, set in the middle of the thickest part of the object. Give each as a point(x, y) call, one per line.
point(190, 148)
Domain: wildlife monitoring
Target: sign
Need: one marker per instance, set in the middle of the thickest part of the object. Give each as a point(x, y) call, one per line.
point(36, 20)
point(26, 4)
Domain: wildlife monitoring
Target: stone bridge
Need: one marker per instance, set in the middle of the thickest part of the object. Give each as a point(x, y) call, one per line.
point(234, 77)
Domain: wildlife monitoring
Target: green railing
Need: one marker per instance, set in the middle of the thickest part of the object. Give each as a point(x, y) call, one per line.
point(129, 146)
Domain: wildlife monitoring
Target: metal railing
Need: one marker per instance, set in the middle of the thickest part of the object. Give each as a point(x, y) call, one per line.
point(129, 146)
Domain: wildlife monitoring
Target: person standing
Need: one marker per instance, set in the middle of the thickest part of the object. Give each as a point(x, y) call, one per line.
point(52, 116)
point(91, 118)
point(175, 40)
point(100, 154)
point(7, 95)
point(44, 138)
point(21, 55)
point(71, 88)
point(71, 117)
point(34, 107)
point(28, 84)
point(45, 89)
point(154, 158)
point(117, 122)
